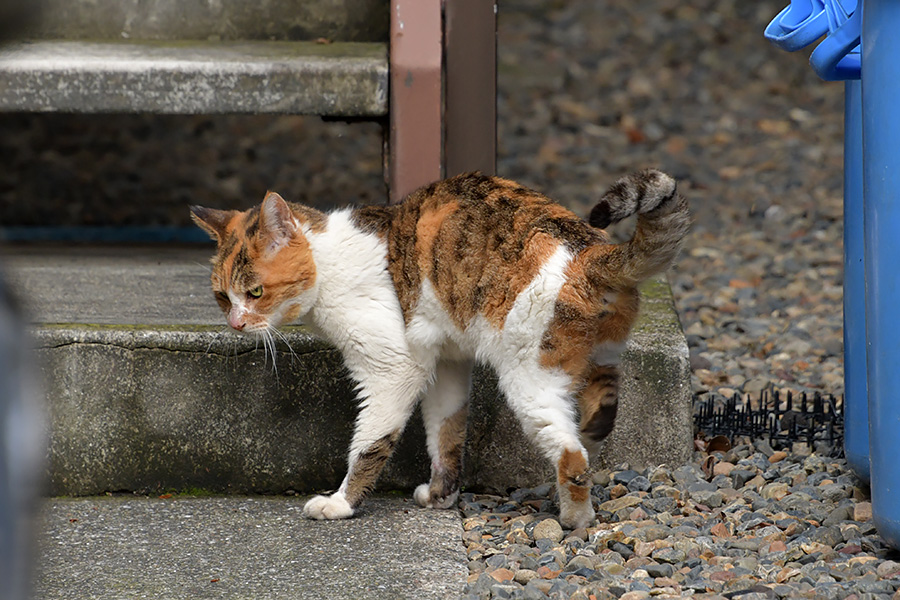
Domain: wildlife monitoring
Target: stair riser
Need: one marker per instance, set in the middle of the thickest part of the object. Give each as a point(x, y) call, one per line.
point(344, 20)
point(183, 408)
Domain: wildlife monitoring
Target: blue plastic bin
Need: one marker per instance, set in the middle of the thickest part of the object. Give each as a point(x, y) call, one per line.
point(881, 183)
point(838, 58)
point(872, 206)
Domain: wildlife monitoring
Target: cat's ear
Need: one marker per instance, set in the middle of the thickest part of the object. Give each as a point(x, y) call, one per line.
point(212, 221)
point(277, 223)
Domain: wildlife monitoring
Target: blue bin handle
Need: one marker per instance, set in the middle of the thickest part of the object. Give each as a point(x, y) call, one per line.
point(836, 58)
point(798, 25)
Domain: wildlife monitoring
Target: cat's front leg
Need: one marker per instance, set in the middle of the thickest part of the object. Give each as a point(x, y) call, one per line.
point(359, 481)
point(445, 411)
point(389, 394)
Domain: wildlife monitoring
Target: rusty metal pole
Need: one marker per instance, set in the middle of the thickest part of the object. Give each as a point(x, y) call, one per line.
point(470, 110)
point(414, 154)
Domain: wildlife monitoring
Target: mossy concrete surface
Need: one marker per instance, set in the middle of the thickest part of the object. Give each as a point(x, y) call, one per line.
point(160, 396)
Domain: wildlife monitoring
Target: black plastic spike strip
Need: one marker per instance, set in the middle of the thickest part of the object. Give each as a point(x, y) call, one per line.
point(818, 419)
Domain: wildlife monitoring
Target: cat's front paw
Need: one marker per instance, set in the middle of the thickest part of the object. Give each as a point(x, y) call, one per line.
point(424, 498)
point(576, 516)
point(334, 506)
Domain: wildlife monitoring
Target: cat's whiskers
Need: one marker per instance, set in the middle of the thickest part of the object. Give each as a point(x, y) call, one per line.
point(216, 335)
point(281, 335)
point(269, 343)
point(206, 267)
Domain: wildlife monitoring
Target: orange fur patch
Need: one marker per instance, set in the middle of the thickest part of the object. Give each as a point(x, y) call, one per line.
point(571, 469)
point(598, 401)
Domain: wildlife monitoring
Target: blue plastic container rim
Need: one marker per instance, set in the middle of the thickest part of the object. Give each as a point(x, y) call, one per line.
point(803, 22)
point(798, 25)
point(837, 57)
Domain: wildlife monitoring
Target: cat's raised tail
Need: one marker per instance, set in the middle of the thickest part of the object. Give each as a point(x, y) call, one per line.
point(663, 222)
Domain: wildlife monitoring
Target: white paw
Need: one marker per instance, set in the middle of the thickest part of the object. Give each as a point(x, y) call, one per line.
point(579, 518)
point(422, 495)
point(574, 515)
point(334, 506)
point(423, 498)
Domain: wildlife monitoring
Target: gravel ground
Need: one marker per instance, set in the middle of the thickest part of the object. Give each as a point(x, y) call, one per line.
point(587, 92)
point(751, 523)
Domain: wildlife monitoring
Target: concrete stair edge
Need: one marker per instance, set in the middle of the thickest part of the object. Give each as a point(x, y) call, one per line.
point(344, 79)
point(172, 408)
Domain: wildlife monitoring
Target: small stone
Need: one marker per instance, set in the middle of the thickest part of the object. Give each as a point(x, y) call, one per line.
point(523, 576)
point(669, 555)
point(723, 468)
point(720, 530)
point(764, 447)
point(775, 491)
point(545, 572)
point(536, 589)
point(642, 548)
point(502, 575)
point(620, 503)
point(579, 562)
point(639, 484)
point(651, 533)
point(862, 511)
point(640, 574)
point(778, 456)
point(506, 592)
point(838, 515)
point(834, 492)
point(617, 491)
point(624, 550)
point(829, 536)
point(548, 529)
point(660, 570)
point(888, 569)
point(635, 595)
point(741, 476)
point(624, 477)
point(711, 499)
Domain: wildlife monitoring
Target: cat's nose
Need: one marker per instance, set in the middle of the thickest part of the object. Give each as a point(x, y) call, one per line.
point(236, 322)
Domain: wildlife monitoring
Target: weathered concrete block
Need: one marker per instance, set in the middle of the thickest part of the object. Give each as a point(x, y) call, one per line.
point(341, 79)
point(181, 407)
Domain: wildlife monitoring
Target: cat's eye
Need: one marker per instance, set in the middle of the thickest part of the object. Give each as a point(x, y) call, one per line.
point(256, 292)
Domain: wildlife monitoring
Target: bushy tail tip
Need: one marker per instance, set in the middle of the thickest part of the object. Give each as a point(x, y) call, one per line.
point(638, 192)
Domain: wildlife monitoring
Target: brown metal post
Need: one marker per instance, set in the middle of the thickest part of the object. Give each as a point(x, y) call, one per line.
point(470, 110)
point(414, 155)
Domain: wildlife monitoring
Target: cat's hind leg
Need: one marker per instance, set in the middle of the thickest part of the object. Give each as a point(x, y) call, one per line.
point(598, 401)
point(445, 411)
point(542, 401)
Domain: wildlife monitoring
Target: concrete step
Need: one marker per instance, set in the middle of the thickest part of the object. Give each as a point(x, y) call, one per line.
point(258, 548)
point(346, 79)
point(146, 390)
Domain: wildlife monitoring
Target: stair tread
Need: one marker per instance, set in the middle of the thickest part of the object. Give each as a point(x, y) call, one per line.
point(114, 285)
point(248, 547)
point(191, 77)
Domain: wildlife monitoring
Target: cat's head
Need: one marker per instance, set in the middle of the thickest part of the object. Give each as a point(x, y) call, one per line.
point(263, 272)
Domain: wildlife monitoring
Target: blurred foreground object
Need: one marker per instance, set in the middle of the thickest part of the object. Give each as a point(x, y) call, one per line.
point(21, 451)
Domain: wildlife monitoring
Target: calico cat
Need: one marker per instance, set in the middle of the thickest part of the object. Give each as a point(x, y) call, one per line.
point(465, 269)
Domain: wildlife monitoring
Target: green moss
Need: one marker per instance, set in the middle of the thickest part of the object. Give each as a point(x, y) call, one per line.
point(656, 289)
point(658, 315)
